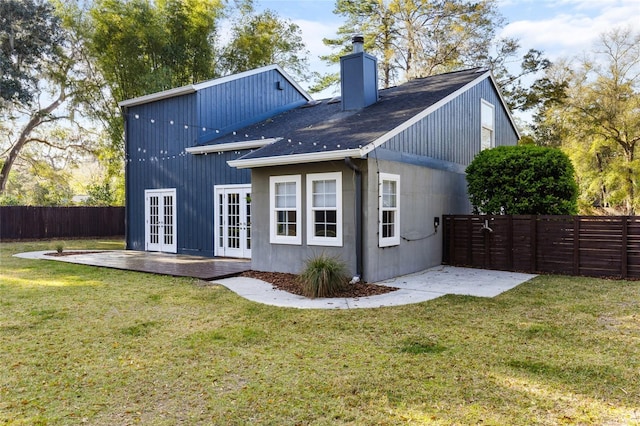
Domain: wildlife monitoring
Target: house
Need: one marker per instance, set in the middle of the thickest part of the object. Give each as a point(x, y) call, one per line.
point(181, 197)
point(365, 177)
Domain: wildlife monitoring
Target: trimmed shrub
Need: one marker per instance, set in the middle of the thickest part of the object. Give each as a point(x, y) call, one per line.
point(323, 276)
point(525, 179)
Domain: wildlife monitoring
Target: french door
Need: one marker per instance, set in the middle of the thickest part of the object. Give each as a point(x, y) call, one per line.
point(160, 220)
point(233, 221)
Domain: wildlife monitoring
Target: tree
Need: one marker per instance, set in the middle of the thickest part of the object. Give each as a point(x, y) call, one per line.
point(598, 122)
point(143, 47)
point(260, 39)
point(374, 20)
point(29, 34)
point(525, 179)
point(415, 39)
point(418, 38)
point(57, 87)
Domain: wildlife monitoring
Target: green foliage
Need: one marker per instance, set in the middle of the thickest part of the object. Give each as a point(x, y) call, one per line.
point(323, 276)
point(29, 35)
point(104, 194)
point(597, 122)
point(524, 179)
point(260, 39)
point(143, 47)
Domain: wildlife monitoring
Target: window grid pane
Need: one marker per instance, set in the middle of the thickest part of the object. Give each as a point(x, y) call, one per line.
point(389, 209)
point(324, 206)
point(286, 217)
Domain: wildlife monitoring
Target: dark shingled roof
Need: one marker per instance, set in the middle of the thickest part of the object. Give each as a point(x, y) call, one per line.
point(325, 127)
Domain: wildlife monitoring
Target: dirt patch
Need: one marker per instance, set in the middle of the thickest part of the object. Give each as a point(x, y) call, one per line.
point(291, 284)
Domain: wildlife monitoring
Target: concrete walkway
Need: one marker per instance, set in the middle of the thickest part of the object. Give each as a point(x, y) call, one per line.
point(414, 288)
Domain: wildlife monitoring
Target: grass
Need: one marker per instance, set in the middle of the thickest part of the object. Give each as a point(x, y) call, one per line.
point(80, 344)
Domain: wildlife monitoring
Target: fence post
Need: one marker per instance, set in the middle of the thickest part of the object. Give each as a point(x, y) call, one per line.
point(624, 248)
point(576, 245)
point(451, 225)
point(533, 241)
point(510, 242)
point(470, 245)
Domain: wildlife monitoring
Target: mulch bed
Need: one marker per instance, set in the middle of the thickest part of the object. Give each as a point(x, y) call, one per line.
point(291, 284)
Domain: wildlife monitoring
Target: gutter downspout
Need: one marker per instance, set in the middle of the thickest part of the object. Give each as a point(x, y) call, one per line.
point(349, 163)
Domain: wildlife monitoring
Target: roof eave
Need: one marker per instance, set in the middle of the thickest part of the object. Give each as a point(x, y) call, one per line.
point(166, 94)
point(282, 160)
point(192, 88)
point(416, 118)
point(230, 146)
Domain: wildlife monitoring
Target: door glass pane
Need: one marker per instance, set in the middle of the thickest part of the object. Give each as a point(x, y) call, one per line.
point(233, 220)
point(168, 219)
point(154, 219)
point(221, 220)
point(248, 221)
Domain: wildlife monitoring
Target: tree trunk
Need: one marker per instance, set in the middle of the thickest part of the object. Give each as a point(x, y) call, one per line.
point(34, 122)
point(631, 184)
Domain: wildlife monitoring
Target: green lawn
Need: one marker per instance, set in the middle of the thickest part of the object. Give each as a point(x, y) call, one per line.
point(80, 344)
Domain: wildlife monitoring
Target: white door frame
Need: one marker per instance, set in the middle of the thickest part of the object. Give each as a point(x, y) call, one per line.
point(160, 225)
point(232, 221)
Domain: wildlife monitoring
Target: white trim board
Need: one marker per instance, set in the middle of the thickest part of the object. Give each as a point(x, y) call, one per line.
point(192, 88)
point(295, 158)
point(231, 146)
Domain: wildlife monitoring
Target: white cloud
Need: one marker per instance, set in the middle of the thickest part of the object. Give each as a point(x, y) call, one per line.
point(312, 34)
point(574, 27)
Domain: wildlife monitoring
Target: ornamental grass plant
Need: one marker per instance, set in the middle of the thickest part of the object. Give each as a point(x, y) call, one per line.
point(323, 276)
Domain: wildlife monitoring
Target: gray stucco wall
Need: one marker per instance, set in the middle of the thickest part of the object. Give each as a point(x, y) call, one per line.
point(291, 258)
point(425, 193)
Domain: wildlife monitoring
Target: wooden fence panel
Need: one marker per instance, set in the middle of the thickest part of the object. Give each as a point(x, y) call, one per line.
point(600, 246)
point(555, 243)
point(633, 247)
point(27, 222)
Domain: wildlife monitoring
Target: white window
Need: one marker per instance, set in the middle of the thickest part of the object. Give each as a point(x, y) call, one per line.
point(284, 209)
point(324, 209)
point(487, 119)
point(389, 210)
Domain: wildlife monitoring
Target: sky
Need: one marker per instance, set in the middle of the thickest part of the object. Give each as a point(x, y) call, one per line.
point(560, 28)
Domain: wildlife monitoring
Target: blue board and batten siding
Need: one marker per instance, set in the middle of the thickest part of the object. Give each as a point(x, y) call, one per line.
point(239, 103)
point(452, 133)
point(158, 132)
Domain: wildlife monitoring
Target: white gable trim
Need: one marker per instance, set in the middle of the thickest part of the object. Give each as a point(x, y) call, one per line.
point(281, 160)
point(166, 94)
point(504, 105)
point(416, 118)
point(223, 147)
point(192, 88)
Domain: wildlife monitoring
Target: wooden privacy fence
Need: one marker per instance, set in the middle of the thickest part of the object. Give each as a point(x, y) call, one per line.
point(599, 246)
point(26, 222)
